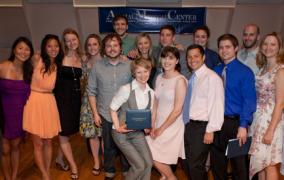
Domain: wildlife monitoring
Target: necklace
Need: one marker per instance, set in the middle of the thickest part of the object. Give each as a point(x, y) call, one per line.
point(76, 83)
point(74, 75)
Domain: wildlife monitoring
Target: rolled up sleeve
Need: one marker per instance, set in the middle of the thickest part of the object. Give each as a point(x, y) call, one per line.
point(92, 83)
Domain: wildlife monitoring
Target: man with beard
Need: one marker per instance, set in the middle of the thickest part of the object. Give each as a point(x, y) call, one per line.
point(105, 79)
point(120, 26)
point(247, 54)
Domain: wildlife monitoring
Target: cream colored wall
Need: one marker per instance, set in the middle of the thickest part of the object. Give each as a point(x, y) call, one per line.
point(36, 20)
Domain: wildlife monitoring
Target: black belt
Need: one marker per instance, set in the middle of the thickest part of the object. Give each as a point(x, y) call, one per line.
point(198, 121)
point(234, 117)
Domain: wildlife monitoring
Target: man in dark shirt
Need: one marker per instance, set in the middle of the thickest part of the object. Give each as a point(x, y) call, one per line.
point(200, 36)
point(240, 104)
point(167, 38)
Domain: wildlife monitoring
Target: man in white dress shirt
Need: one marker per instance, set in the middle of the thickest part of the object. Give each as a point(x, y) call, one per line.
point(203, 112)
point(247, 54)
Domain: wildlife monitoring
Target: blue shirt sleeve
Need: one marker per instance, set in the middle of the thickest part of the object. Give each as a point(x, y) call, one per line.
point(249, 99)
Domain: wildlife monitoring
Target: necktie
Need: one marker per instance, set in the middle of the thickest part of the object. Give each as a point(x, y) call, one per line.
point(186, 105)
point(224, 75)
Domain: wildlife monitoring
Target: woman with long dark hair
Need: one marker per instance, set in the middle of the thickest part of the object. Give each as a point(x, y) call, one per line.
point(15, 79)
point(41, 117)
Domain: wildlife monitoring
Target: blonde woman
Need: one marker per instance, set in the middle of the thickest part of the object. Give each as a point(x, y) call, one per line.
point(68, 97)
point(268, 124)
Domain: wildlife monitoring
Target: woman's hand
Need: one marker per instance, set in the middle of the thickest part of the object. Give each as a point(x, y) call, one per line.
point(156, 132)
point(132, 54)
point(97, 119)
point(147, 131)
point(152, 133)
point(268, 136)
point(122, 129)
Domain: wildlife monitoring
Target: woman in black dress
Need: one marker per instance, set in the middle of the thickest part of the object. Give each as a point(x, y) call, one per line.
point(68, 97)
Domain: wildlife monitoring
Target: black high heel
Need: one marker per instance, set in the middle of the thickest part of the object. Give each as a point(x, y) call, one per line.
point(96, 172)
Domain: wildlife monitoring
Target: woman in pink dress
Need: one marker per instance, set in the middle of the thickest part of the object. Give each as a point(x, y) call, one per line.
point(268, 124)
point(166, 139)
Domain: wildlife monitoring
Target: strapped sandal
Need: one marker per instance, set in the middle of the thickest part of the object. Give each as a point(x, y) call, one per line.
point(96, 172)
point(74, 176)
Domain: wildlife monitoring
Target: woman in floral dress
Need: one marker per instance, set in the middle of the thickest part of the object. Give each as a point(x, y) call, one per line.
point(88, 128)
point(267, 127)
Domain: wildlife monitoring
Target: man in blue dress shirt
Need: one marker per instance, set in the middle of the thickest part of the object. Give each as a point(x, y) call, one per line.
point(240, 104)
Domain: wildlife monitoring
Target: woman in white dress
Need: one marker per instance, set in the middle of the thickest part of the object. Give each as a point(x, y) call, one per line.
point(268, 124)
point(166, 139)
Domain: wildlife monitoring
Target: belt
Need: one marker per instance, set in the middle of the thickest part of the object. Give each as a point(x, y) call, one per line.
point(234, 117)
point(45, 92)
point(198, 121)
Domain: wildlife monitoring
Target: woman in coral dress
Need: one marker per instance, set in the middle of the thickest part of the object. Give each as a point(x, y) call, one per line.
point(41, 117)
point(268, 125)
point(15, 78)
point(166, 142)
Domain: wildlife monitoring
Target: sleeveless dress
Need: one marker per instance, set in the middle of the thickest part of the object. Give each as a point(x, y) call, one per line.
point(13, 96)
point(263, 155)
point(169, 146)
point(68, 97)
point(40, 113)
point(88, 128)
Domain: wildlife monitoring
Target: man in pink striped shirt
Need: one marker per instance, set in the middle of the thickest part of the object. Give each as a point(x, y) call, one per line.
point(203, 112)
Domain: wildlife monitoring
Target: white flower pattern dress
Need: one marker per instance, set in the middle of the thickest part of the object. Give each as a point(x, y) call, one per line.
point(263, 155)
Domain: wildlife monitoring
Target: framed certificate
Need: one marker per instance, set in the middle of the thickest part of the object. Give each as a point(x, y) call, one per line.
point(138, 119)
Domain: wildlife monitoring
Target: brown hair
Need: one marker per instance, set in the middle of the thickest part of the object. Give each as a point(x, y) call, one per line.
point(261, 59)
point(142, 62)
point(168, 27)
point(172, 50)
point(229, 37)
point(118, 17)
point(71, 31)
point(203, 28)
point(95, 36)
point(108, 37)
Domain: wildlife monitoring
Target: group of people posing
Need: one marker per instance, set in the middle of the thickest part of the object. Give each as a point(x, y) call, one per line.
point(199, 100)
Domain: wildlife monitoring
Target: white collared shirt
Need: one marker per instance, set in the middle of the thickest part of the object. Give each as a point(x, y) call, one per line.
point(207, 100)
point(141, 96)
point(249, 58)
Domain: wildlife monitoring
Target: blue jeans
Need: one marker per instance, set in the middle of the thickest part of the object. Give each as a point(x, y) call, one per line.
point(111, 150)
point(135, 148)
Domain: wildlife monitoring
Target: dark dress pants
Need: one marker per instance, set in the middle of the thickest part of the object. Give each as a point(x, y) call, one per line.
point(196, 151)
point(219, 161)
